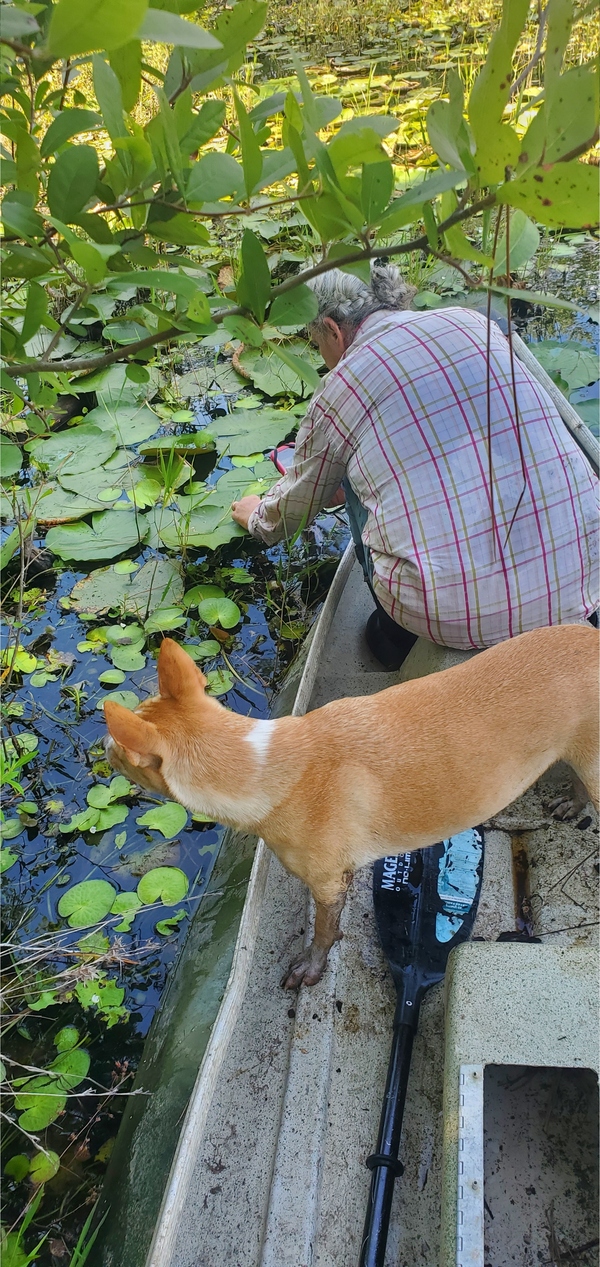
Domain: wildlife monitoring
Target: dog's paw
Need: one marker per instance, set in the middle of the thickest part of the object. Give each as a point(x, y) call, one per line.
point(306, 969)
point(565, 808)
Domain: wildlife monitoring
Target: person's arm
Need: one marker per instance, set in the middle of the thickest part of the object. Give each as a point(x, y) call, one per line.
point(310, 484)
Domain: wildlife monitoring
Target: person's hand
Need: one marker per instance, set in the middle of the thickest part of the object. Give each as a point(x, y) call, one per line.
point(241, 511)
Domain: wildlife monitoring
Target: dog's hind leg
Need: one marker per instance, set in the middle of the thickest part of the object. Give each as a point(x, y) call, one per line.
point(309, 965)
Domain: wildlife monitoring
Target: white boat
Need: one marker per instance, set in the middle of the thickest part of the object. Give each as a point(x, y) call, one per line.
point(500, 1128)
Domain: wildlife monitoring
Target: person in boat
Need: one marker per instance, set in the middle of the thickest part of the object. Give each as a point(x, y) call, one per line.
point(473, 511)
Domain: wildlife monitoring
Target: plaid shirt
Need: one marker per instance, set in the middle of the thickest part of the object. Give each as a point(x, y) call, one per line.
point(404, 417)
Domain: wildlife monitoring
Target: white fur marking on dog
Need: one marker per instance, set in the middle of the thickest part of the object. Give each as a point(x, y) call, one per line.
point(260, 737)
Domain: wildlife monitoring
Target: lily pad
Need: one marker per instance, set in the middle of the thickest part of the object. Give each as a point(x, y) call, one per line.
point(572, 362)
point(117, 475)
point(112, 677)
point(165, 618)
point(219, 682)
point(128, 699)
point(159, 581)
point(131, 659)
point(40, 1107)
point(44, 1166)
point(87, 903)
point(191, 442)
point(252, 430)
point(219, 611)
point(131, 424)
point(17, 1167)
point(168, 819)
point(7, 860)
point(167, 884)
point(75, 450)
point(67, 1038)
point(199, 381)
point(202, 651)
point(200, 592)
point(168, 926)
point(56, 506)
point(111, 533)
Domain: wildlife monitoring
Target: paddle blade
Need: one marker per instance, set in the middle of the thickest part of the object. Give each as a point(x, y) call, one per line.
point(425, 904)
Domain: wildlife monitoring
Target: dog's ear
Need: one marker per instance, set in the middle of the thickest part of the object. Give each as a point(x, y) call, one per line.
point(140, 739)
point(178, 676)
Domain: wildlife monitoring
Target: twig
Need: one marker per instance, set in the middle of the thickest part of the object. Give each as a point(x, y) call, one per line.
point(537, 53)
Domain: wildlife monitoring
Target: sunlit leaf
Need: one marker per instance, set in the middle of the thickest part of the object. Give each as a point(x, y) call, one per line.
point(168, 819)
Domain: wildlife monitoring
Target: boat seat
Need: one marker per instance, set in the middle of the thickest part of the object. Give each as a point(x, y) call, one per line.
point(520, 1102)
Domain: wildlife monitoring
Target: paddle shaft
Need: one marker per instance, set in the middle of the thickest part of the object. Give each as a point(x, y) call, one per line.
point(388, 1142)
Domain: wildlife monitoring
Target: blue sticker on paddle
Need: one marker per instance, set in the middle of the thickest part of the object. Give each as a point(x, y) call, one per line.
point(457, 881)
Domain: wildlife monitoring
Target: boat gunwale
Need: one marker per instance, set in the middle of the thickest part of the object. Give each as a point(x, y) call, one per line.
point(163, 1240)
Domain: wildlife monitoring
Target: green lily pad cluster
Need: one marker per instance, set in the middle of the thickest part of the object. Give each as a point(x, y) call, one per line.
point(92, 901)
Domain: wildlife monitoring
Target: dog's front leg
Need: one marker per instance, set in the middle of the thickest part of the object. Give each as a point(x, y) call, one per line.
point(309, 965)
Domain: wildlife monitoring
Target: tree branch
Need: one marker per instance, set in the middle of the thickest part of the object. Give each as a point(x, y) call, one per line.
point(354, 257)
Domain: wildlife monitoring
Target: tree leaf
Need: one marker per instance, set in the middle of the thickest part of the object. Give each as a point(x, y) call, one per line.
point(11, 458)
point(251, 153)
point(72, 180)
point(214, 177)
point(524, 242)
point(247, 331)
point(167, 884)
point(126, 62)
point(254, 286)
point(296, 307)
point(376, 189)
point(86, 903)
point(168, 819)
point(565, 195)
point(70, 122)
point(167, 28)
point(111, 533)
point(497, 144)
point(305, 371)
point(108, 93)
point(80, 26)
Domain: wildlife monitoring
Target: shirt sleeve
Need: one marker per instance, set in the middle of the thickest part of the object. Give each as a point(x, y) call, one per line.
point(310, 484)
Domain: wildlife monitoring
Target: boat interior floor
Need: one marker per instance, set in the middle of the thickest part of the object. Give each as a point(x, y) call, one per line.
point(277, 1177)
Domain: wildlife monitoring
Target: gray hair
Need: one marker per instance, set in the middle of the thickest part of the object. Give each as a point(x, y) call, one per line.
point(347, 300)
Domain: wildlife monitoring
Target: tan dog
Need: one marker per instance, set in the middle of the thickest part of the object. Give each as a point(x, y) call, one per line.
point(362, 778)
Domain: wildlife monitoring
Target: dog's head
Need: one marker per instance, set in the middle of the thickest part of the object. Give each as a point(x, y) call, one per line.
point(142, 744)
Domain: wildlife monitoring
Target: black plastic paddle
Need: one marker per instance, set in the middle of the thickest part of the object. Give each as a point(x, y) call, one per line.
point(425, 904)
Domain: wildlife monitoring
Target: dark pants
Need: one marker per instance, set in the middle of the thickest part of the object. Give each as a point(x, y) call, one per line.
point(400, 638)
